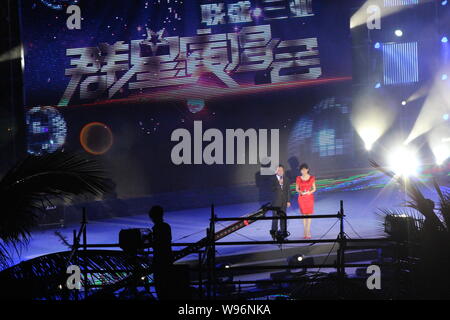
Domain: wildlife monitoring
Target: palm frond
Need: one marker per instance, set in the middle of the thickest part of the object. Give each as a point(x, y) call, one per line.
point(63, 239)
point(444, 204)
point(35, 182)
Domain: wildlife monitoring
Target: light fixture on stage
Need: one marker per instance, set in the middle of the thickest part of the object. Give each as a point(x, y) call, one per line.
point(295, 260)
point(444, 77)
point(444, 39)
point(377, 45)
point(403, 161)
point(224, 273)
point(398, 33)
point(223, 265)
point(445, 116)
point(444, 2)
point(377, 85)
point(404, 103)
point(400, 226)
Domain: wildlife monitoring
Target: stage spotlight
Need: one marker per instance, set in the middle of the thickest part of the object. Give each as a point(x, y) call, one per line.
point(444, 2)
point(403, 162)
point(14, 53)
point(370, 117)
point(403, 103)
point(377, 85)
point(398, 33)
point(223, 265)
point(444, 40)
point(435, 105)
point(444, 77)
point(441, 153)
point(369, 135)
point(445, 117)
point(377, 45)
point(300, 258)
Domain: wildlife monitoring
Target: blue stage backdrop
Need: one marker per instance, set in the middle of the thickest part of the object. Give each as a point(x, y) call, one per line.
point(116, 78)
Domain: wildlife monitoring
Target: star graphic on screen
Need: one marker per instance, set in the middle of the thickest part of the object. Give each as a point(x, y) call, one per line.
point(154, 38)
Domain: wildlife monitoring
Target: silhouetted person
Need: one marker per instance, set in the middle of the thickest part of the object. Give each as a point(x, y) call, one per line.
point(264, 185)
point(294, 168)
point(162, 253)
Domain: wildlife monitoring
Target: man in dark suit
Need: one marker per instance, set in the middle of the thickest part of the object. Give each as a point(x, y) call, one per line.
point(281, 200)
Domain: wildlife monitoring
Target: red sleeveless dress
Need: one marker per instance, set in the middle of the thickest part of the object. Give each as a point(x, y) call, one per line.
point(306, 202)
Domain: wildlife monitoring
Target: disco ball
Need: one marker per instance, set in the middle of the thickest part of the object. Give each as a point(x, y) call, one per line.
point(324, 132)
point(195, 105)
point(46, 130)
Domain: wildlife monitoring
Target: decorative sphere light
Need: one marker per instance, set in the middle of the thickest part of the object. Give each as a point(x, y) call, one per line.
point(398, 33)
point(257, 12)
point(403, 162)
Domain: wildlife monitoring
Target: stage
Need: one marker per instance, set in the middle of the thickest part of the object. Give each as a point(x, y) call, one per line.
point(361, 221)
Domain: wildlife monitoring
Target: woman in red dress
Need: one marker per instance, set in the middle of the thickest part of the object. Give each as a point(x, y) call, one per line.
point(306, 186)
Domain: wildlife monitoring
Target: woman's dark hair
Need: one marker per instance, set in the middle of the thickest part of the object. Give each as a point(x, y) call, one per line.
point(304, 166)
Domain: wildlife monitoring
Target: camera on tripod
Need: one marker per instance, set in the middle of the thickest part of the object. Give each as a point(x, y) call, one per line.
point(136, 240)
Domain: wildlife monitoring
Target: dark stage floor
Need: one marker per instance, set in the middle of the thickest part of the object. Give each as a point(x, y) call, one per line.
point(190, 225)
